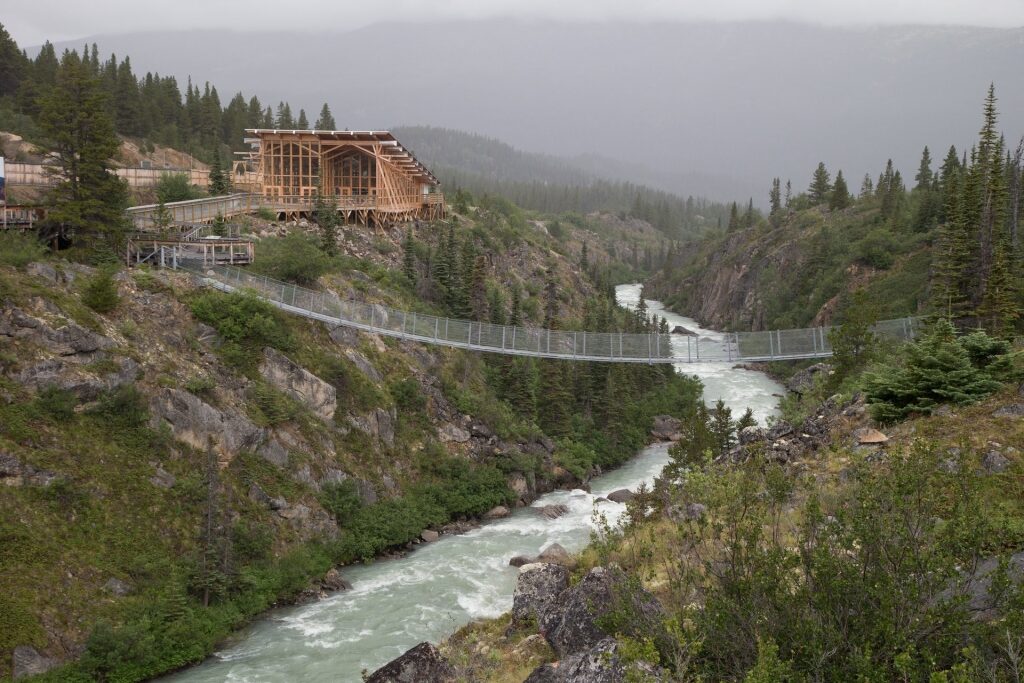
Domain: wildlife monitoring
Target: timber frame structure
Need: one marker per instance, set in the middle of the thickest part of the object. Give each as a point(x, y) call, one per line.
point(370, 176)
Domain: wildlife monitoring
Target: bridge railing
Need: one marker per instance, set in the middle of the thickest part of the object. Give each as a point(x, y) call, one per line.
point(531, 341)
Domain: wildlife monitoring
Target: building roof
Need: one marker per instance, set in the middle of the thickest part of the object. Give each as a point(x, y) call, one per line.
point(390, 146)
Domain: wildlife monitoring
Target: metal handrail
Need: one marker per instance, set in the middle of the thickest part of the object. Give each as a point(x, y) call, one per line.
point(617, 347)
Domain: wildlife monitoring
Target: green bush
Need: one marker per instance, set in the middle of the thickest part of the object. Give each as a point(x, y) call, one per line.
point(245, 322)
point(263, 213)
point(940, 368)
point(269, 406)
point(56, 403)
point(341, 500)
point(294, 258)
point(877, 249)
point(19, 250)
point(100, 291)
point(124, 405)
point(174, 187)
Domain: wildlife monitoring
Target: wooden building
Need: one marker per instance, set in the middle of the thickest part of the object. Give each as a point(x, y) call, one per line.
point(373, 179)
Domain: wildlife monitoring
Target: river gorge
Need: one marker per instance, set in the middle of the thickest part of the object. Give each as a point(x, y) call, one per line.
point(435, 589)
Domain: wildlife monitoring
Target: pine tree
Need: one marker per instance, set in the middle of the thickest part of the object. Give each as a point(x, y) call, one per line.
point(325, 213)
point(775, 200)
point(746, 420)
point(924, 171)
point(789, 193)
point(74, 117)
point(840, 197)
point(284, 119)
point(478, 289)
point(515, 316)
point(584, 259)
point(326, 120)
point(302, 123)
point(409, 258)
point(734, 218)
point(722, 427)
point(867, 187)
point(820, 185)
point(219, 179)
point(748, 216)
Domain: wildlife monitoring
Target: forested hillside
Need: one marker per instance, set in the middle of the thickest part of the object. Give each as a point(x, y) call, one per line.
point(946, 241)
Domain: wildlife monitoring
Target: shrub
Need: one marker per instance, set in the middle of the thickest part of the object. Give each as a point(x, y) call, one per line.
point(245, 322)
point(174, 187)
point(341, 500)
point(940, 368)
point(263, 213)
point(56, 403)
point(294, 258)
point(124, 405)
point(876, 249)
point(19, 250)
point(100, 291)
point(251, 541)
point(269, 406)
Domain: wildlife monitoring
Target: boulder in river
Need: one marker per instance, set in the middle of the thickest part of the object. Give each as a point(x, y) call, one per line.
point(679, 329)
point(420, 664)
point(429, 535)
point(497, 512)
point(555, 554)
point(621, 496)
point(553, 511)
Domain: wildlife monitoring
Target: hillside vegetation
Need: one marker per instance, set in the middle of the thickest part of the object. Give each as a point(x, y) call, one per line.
point(951, 244)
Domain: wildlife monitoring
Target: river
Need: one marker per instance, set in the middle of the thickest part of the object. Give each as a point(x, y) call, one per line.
point(439, 587)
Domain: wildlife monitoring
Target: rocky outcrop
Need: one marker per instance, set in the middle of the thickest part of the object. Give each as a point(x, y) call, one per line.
point(803, 381)
point(1012, 410)
point(571, 624)
point(537, 587)
point(378, 423)
point(364, 365)
point(299, 383)
point(421, 664)
point(13, 472)
point(451, 433)
point(599, 664)
point(69, 339)
point(27, 661)
point(71, 376)
point(667, 428)
point(197, 423)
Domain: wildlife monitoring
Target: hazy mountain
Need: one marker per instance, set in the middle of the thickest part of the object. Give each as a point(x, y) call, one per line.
point(719, 107)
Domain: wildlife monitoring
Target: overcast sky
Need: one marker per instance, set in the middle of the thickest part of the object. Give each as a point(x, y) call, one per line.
point(33, 21)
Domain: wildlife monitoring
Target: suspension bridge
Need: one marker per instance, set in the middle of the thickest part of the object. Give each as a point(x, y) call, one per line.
point(609, 347)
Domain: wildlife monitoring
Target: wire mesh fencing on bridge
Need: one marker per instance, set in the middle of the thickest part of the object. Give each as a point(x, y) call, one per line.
point(619, 347)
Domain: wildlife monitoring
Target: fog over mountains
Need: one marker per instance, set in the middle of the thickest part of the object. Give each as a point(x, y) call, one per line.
point(705, 109)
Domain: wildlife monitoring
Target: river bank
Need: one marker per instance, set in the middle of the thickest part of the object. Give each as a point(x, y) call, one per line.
point(439, 587)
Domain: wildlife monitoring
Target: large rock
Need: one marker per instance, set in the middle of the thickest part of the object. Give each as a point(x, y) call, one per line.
point(378, 423)
point(553, 511)
point(451, 433)
point(299, 383)
point(1012, 410)
point(13, 472)
point(994, 462)
point(196, 422)
point(982, 598)
point(571, 623)
point(599, 664)
point(421, 664)
point(75, 378)
point(667, 428)
point(70, 339)
point(867, 436)
point(556, 554)
point(273, 452)
point(364, 365)
point(26, 661)
point(536, 588)
point(621, 496)
point(497, 512)
point(804, 380)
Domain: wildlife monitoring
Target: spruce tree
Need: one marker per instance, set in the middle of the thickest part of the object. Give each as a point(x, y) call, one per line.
point(789, 193)
point(302, 123)
point(924, 171)
point(409, 258)
point(734, 218)
point(867, 187)
point(820, 185)
point(219, 178)
point(584, 258)
point(515, 316)
point(775, 200)
point(326, 120)
point(840, 197)
point(75, 120)
point(325, 214)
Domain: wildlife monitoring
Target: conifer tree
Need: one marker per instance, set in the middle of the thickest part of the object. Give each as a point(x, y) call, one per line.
point(326, 120)
point(820, 185)
point(284, 118)
point(789, 193)
point(302, 123)
point(748, 216)
point(219, 179)
point(867, 187)
point(409, 258)
point(584, 259)
point(478, 289)
point(722, 427)
point(840, 197)
point(325, 213)
point(515, 316)
point(924, 171)
point(74, 117)
point(734, 218)
point(775, 200)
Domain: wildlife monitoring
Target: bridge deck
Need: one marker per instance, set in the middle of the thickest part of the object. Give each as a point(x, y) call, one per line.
point(612, 347)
